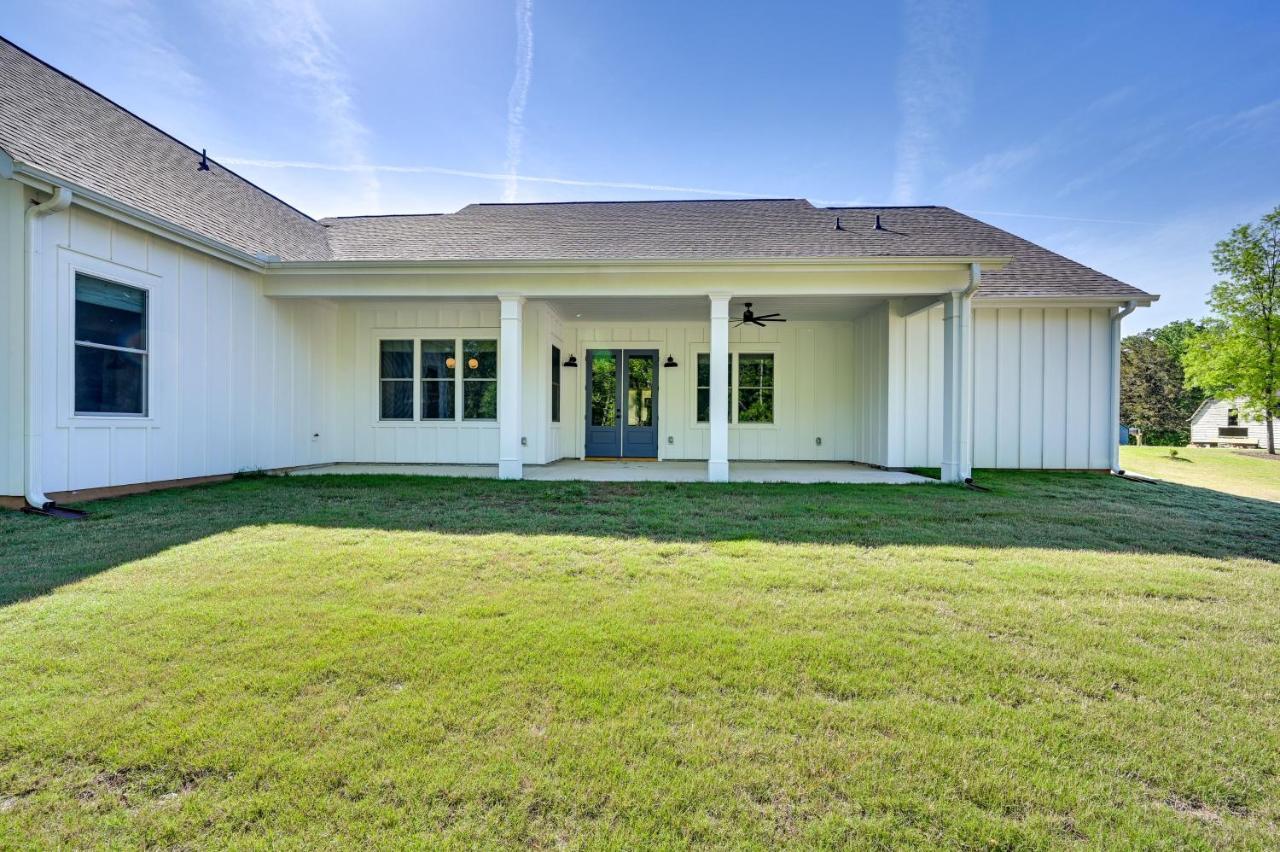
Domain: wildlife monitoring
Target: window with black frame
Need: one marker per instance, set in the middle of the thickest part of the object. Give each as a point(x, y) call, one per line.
point(111, 348)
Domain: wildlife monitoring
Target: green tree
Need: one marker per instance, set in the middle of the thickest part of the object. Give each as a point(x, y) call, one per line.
point(1237, 356)
point(1154, 396)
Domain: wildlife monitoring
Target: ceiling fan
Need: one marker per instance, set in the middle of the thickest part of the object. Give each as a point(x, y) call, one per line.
point(749, 316)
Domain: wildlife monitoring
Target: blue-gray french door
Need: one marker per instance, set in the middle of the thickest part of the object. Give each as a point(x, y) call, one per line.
point(622, 403)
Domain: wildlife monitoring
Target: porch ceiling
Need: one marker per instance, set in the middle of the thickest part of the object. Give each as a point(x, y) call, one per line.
point(697, 308)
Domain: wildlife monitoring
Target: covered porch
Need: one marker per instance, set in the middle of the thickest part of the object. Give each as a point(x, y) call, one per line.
point(649, 365)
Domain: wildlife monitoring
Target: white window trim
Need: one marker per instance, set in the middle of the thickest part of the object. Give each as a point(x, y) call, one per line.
point(735, 349)
point(416, 336)
point(70, 264)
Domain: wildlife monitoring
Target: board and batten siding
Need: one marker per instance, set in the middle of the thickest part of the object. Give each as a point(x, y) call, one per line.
point(1041, 388)
point(235, 379)
point(869, 426)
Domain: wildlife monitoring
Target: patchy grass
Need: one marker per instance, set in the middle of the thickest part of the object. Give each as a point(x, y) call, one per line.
point(330, 661)
point(1218, 468)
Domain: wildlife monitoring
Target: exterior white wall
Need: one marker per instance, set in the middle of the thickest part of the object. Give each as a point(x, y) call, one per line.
point(1205, 425)
point(871, 364)
point(236, 380)
point(1041, 381)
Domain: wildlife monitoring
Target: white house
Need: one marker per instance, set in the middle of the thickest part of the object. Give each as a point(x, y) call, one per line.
point(1222, 422)
point(164, 319)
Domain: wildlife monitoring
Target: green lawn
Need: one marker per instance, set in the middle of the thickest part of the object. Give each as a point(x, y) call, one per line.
point(1220, 469)
point(330, 662)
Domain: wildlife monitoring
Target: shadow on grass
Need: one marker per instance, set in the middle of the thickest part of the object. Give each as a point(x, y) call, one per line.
point(1070, 511)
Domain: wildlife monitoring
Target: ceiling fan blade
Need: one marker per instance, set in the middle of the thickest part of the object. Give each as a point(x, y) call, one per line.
point(778, 319)
point(757, 322)
point(738, 323)
point(768, 316)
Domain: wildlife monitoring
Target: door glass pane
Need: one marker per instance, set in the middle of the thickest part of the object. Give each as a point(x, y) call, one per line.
point(604, 388)
point(110, 314)
point(640, 390)
point(555, 384)
point(110, 382)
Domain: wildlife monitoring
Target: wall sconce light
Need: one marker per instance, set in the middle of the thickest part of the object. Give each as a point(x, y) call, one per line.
point(670, 362)
point(473, 363)
point(572, 362)
point(450, 362)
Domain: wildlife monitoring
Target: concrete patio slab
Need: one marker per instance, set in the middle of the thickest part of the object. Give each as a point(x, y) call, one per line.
point(636, 471)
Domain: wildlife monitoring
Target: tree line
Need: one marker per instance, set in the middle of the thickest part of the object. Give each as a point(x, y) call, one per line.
point(1167, 372)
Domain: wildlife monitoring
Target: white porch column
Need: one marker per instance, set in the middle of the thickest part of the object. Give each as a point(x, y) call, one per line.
point(718, 443)
point(957, 390)
point(510, 380)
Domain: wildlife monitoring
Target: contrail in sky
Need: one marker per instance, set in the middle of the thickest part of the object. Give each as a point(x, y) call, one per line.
point(519, 96)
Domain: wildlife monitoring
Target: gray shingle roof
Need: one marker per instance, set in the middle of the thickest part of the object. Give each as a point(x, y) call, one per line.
point(709, 230)
point(54, 123)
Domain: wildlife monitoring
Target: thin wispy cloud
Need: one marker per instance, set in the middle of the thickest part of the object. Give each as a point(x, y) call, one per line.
point(998, 167)
point(301, 45)
point(502, 177)
point(129, 27)
point(518, 97)
point(933, 86)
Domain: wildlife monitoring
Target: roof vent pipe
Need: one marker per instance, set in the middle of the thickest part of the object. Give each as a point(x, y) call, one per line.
point(839, 227)
point(879, 227)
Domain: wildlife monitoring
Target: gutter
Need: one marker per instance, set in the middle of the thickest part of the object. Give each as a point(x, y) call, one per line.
point(99, 203)
point(37, 501)
point(1114, 420)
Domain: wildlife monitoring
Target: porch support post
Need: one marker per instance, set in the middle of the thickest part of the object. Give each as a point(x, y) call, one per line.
point(718, 443)
point(510, 380)
point(957, 389)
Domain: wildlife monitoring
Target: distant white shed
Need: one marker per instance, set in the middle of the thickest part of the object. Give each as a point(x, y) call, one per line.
point(1220, 422)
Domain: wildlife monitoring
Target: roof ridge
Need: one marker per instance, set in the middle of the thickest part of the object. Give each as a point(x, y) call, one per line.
point(635, 201)
point(154, 127)
point(380, 216)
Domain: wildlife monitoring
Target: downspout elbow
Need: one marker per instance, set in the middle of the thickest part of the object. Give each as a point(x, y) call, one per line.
point(32, 488)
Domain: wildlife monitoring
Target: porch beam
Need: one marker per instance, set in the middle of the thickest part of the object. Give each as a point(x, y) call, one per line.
point(718, 442)
point(510, 379)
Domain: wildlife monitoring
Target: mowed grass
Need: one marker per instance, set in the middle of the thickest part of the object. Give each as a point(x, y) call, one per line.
point(329, 662)
point(1218, 468)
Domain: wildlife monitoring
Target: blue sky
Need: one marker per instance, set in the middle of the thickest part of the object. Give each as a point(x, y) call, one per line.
point(1129, 136)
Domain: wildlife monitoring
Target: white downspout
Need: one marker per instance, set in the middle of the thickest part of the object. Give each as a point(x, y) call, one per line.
point(966, 405)
point(1116, 317)
point(61, 200)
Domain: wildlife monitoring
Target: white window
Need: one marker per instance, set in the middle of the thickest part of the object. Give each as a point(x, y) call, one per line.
point(110, 348)
point(442, 379)
point(751, 377)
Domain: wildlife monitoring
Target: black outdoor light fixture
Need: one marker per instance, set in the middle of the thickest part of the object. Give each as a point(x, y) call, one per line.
point(572, 362)
point(670, 362)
